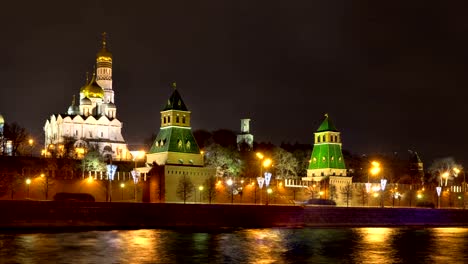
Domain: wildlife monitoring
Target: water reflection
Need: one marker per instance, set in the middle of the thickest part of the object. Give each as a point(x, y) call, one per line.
point(340, 245)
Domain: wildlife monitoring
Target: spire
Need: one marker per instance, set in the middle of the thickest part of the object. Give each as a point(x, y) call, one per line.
point(327, 125)
point(73, 101)
point(104, 40)
point(175, 102)
point(174, 85)
point(87, 78)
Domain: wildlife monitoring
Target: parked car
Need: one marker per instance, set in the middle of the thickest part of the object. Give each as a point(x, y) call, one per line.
point(320, 202)
point(77, 197)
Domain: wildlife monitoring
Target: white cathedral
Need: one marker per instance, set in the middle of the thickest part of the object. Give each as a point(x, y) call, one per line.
point(92, 123)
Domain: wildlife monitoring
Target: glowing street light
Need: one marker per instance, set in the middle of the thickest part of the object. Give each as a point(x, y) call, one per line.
point(269, 191)
point(28, 182)
point(31, 142)
point(122, 186)
point(200, 188)
point(230, 183)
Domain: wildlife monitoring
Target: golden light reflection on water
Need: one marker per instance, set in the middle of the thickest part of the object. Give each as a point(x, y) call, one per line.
point(447, 243)
point(259, 245)
point(373, 244)
point(144, 241)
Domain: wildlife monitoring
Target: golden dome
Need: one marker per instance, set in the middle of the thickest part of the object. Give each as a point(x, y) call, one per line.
point(104, 54)
point(92, 89)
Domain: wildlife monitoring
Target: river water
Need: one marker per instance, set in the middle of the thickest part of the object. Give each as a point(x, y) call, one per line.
point(272, 245)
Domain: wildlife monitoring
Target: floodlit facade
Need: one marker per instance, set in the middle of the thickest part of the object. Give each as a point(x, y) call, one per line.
point(92, 122)
point(175, 152)
point(326, 164)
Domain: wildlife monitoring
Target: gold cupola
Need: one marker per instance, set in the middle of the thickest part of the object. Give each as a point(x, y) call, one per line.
point(104, 56)
point(92, 89)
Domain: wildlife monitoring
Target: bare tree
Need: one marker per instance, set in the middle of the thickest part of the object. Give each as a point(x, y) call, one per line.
point(347, 193)
point(362, 195)
point(211, 192)
point(185, 188)
point(16, 134)
point(46, 184)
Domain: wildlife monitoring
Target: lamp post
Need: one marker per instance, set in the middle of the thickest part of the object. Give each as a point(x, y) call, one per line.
point(200, 188)
point(383, 182)
point(439, 190)
point(28, 182)
point(122, 186)
point(31, 142)
point(374, 170)
point(229, 183)
point(136, 178)
point(457, 171)
point(111, 168)
point(269, 191)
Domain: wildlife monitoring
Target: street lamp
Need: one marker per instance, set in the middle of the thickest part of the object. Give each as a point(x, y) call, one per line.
point(374, 170)
point(28, 182)
point(439, 190)
point(383, 183)
point(457, 171)
point(229, 182)
point(31, 142)
point(200, 188)
point(122, 186)
point(269, 191)
point(136, 178)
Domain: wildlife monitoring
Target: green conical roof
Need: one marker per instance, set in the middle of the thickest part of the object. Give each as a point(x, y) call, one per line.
point(175, 102)
point(327, 125)
point(175, 139)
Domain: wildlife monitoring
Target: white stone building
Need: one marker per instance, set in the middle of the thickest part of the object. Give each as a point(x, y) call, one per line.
point(92, 123)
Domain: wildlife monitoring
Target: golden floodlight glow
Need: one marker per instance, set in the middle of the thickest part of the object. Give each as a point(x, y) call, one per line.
point(122, 185)
point(267, 163)
point(31, 141)
point(28, 181)
point(375, 170)
point(445, 174)
point(269, 191)
point(200, 188)
point(456, 170)
point(375, 164)
point(90, 179)
point(259, 155)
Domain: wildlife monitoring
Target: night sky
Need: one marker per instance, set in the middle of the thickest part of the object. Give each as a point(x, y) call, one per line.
point(391, 76)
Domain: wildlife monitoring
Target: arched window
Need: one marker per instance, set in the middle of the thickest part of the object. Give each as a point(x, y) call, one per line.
point(177, 119)
point(183, 119)
point(164, 120)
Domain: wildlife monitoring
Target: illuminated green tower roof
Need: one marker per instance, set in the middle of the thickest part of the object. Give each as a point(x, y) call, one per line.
point(327, 158)
point(175, 143)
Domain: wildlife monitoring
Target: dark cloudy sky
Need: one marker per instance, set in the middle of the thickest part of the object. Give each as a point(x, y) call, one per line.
point(392, 76)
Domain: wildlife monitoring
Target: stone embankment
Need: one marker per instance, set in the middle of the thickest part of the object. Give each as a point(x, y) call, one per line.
point(48, 214)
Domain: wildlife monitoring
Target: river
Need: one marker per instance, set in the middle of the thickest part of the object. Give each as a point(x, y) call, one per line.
point(271, 245)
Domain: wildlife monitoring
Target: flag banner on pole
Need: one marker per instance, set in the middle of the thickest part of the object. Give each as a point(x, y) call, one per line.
point(260, 180)
point(267, 178)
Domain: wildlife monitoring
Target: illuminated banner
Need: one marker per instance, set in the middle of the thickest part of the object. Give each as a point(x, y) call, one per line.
point(368, 186)
point(383, 182)
point(267, 178)
point(438, 189)
point(111, 171)
point(260, 181)
point(136, 176)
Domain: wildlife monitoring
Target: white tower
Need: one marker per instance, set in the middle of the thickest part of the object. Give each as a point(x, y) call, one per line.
point(245, 139)
point(104, 70)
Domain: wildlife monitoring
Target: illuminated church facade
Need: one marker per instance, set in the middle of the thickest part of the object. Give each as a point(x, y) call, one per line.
point(92, 123)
